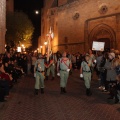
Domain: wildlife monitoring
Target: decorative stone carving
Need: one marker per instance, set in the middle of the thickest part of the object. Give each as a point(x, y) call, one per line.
point(76, 16)
point(52, 12)
point(103, 9)
point(102, 31)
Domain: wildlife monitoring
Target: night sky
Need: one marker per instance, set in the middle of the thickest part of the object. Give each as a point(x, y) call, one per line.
point(29, 7)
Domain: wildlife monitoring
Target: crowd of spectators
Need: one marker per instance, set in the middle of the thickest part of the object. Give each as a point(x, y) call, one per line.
point(107, 67)
point(12, 67)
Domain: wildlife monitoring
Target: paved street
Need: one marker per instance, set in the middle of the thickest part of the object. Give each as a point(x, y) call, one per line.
point(74, 105)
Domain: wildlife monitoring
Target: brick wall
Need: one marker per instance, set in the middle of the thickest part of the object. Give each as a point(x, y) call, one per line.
point(2, 25)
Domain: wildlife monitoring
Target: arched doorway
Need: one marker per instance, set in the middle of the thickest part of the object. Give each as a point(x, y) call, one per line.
point(107, 42)
point(103, 33)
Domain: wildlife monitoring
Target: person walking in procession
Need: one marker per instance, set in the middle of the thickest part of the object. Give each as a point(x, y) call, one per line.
point(64, 65)
point(39, 74)
point(85, 70)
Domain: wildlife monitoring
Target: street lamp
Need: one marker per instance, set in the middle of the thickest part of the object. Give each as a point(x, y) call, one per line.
point(45, 43)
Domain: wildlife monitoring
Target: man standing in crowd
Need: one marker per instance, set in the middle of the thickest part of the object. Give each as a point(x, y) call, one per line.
point(111, 74)
point(64, 65)
point(101, 60)
point(39, 71)
point(98, 67)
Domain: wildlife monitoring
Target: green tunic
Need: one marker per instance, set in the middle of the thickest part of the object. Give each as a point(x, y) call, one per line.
point(64, 74)
point(39, 80)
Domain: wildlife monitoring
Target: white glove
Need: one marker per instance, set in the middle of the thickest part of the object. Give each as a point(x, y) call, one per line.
point(58, 74)
point(34, 74)
point(81, 75)
point(68, 70)
point(95, 61)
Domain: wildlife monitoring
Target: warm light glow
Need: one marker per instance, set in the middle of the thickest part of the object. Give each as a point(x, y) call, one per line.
point(41, 46)
point(22, 45)
point(37, 12)
point(18, 49)
point(37, 48)
point(45, 43)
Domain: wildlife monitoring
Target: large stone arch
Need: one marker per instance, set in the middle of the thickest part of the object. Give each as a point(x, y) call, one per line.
point(103, 32)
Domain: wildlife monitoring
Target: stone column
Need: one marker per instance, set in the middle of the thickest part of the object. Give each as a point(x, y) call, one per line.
point(2, 25)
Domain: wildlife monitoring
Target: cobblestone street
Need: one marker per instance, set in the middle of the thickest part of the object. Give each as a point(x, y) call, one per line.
point(74, 105)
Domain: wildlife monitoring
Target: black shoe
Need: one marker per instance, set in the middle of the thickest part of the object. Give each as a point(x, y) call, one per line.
point(42, 90)
point(36, 92)
point(61, 90)
point(111, 97)
point(64, 90)
point(116, 101)
point(88, 92)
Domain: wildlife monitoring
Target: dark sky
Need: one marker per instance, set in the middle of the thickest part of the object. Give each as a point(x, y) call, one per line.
point(29, 7)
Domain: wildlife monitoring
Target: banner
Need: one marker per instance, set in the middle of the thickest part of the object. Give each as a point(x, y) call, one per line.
point(98, 46)
point(49, 43)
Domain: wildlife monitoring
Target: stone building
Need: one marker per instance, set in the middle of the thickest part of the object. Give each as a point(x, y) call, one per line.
point(9, 6)
point(77, 23)
point(2, 25)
